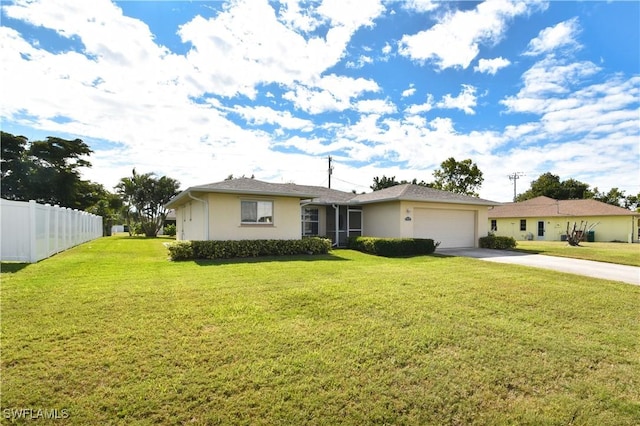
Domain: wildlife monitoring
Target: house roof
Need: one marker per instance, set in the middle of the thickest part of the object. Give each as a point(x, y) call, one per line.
point(327, 195)
point(412, 192)
point(246, 186)
point(321, 195)
point(548, 207)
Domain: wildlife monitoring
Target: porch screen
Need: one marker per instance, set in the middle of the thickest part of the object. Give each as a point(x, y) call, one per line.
point(309, 221)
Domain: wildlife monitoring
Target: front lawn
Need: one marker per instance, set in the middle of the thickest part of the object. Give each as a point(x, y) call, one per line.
point(621, 253)
point(113, 333)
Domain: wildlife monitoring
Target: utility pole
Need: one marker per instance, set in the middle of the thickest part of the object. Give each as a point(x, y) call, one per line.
point(514, 177)
point(330, 171)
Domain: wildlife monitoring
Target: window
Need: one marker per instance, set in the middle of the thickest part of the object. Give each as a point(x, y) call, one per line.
point(494, 225)
point(309, 221)
point(523, 224)
point(257, 212)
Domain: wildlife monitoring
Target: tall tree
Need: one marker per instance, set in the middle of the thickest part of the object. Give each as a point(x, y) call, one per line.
point(56, 179)
point(387, 182)
point(383, 182)
point(109, 206)
point(16, 167)
point(615, 197)
point(462, 177)
point(550, 185)
point(547, 185)
point(146, 196)
point(46, 171)
point(632, 202)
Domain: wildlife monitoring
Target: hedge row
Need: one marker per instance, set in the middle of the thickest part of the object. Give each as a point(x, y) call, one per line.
point(393, 247)
point(187, 250)
point(494, 242)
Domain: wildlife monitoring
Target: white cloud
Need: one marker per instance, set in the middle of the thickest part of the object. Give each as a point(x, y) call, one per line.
point(375, 106)
point(409, 92)
point(420, 108)
point(491, 66)
point(246, 45)
point(546, 79)
point(298, 18)
point(361, 62)
point(420, 6)
point(330, 93)
point(465, 100)
point(171, 114)
point(351, 14)
point(262, 114)
point(563, 35)
point(455, 40)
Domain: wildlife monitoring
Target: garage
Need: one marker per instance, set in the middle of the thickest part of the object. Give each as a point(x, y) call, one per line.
point(453, 228)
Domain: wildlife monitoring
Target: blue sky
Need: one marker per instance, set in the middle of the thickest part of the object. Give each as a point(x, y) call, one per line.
point(200, 90)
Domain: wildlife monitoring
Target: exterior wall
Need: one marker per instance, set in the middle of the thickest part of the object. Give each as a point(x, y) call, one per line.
point(608, 228)
point(382, 220)
point(387, 220)
point(481, 216)
point(190, 220)
point(224, 219)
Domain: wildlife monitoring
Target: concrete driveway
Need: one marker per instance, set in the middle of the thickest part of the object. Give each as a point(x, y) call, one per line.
point(608, 271)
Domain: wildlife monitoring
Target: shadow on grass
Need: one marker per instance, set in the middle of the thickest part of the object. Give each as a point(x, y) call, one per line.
point(268, 259)
point(527, 251)
point(12, 267)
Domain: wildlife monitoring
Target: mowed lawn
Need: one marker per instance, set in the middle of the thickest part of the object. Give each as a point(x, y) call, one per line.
point(621, 253)
point(114, 333)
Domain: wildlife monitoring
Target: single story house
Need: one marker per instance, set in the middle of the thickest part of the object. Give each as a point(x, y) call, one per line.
point(543, 218)
point(246, 208)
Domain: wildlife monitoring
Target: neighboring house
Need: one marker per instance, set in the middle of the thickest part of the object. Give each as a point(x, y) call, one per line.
point(543, 218)
point(245, 208)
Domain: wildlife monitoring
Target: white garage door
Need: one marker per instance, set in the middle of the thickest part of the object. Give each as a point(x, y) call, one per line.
point(453, 228)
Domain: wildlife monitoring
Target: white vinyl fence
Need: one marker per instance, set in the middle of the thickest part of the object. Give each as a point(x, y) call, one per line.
point(32, 231)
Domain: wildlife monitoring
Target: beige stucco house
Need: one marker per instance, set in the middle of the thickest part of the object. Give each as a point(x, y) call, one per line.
point(251, 209)
point(543, 218)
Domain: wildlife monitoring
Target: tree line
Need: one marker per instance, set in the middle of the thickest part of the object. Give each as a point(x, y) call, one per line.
point(464, 177)
point(461, 177)
point(550, 185)
point(48, 172)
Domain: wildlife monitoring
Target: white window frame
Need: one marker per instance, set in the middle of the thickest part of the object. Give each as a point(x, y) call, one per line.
point(258, 204)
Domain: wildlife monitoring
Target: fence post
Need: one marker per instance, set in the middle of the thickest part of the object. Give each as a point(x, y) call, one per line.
point(47, 228)
point(56, 236)
point(33, 256)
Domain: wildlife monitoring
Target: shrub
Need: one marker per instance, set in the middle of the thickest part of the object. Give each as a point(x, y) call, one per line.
point(393, 247)
point(249, 248)
point(170, 230)
point(493, 242)
point(180, 250)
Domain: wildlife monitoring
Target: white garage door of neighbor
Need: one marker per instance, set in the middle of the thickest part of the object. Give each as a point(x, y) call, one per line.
point(453, 228)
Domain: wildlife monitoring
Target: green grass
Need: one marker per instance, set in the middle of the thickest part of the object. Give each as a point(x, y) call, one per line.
point(621, 253)
point(114, 333)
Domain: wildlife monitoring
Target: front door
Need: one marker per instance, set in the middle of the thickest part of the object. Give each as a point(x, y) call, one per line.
point(541, 229)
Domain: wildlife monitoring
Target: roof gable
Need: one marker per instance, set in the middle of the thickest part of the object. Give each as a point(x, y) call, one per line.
point(413, 192)
point(322, 195)
point(246, 186)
